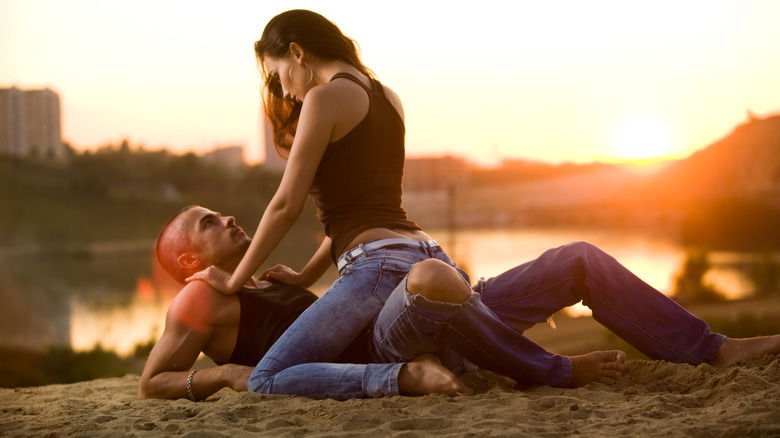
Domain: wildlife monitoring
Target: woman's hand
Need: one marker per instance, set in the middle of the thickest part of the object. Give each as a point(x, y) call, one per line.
point(285, 275)
point(216, 278)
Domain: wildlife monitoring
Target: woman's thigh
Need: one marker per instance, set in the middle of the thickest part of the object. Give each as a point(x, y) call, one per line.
point(345, 310)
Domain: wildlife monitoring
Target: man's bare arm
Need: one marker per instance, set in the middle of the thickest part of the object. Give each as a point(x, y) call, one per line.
point(189, 327)
point(207, 381)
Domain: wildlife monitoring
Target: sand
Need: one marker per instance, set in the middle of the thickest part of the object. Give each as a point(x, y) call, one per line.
point(653, 399)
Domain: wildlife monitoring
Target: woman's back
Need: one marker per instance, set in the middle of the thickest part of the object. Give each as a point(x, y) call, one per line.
point(358, 182)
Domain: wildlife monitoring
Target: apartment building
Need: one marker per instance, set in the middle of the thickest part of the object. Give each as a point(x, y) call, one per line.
point(30, 123)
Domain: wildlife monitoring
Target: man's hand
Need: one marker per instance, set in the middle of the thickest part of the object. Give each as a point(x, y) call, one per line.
point(236, 376)
point(216, 278)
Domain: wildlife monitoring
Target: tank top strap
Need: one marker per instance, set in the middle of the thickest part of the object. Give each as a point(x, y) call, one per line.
point(377, 87)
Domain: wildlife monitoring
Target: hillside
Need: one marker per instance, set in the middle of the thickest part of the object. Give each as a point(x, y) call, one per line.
point(744, 164)
point(728, 193)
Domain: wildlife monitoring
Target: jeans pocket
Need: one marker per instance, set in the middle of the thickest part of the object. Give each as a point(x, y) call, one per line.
point(390, 274)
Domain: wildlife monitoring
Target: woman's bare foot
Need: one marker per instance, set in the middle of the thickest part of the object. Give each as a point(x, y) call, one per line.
point(734, 350)
point(598, 366)
point(426, 375)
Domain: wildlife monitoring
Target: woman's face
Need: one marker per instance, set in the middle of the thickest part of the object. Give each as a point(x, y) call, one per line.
point(279, 81)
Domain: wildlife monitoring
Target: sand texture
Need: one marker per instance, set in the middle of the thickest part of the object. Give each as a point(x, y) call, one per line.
point(653, 399)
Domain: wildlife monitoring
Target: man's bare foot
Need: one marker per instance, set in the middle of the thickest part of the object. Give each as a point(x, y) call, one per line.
point(426, 375)
point(734, 350)
point(598, 366)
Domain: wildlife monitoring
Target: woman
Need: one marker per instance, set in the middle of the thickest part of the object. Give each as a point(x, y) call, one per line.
point(343, 135)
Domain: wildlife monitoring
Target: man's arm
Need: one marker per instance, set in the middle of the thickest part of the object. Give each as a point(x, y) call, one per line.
point(189, 327)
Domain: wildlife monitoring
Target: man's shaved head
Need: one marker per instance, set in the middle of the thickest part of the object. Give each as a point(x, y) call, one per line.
point(175, 240)
point(196, 238)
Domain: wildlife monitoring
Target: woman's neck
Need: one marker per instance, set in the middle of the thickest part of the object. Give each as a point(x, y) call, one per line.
point(324, 71)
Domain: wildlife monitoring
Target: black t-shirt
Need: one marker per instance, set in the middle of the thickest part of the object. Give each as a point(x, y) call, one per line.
point(267, 313)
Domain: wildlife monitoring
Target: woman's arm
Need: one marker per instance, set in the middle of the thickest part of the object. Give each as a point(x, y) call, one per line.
point(314, 130)
point(312, 272)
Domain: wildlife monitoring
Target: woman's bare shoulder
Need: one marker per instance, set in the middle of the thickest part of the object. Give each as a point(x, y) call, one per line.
point(394, 99)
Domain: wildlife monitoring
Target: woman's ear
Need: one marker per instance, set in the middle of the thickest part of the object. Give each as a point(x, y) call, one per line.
point(296, 51)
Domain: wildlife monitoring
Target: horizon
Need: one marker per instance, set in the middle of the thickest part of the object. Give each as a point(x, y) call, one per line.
point(557, 82)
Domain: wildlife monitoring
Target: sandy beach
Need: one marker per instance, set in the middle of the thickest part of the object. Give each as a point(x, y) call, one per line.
point(653, 399)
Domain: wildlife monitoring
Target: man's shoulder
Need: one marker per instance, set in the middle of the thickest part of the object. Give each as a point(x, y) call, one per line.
point(198, 301)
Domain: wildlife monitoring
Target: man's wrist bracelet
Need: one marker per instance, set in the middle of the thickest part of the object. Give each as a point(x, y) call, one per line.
point(189, 385)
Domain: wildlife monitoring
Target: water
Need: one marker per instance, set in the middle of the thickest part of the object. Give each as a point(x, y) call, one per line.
point(120, 301)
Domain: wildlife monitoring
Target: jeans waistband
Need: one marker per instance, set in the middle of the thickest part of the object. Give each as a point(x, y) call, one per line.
point(363, 248)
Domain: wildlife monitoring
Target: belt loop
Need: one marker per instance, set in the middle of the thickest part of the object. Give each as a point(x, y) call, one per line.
point(427, 246)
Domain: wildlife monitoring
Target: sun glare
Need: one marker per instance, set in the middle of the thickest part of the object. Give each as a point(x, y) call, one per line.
point(642, 140)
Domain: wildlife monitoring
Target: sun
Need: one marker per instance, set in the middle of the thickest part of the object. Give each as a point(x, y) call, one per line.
point(642, 139)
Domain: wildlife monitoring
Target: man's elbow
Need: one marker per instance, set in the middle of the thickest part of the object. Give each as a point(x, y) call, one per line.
point(146, 390)
point(143, 391)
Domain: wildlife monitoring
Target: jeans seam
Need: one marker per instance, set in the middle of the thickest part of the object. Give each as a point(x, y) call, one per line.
point(639, 329)
point(534, 294)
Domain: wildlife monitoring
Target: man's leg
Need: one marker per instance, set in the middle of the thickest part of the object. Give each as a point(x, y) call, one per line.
point(621, 301)
point(647, 319)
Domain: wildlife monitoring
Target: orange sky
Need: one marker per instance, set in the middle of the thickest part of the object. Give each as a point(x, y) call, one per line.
point(552, 81)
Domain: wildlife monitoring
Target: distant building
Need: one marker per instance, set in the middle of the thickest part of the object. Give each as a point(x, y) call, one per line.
point(272, 159)
point(30, 123)
point(229, 156)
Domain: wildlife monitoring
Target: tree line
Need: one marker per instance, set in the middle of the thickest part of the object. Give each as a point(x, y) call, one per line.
point(119, 192)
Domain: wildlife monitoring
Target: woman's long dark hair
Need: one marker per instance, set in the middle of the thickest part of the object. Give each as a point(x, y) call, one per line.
point(317, 35)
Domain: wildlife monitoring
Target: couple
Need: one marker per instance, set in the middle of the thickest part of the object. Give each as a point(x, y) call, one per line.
point(431, 311)
point(342, 133)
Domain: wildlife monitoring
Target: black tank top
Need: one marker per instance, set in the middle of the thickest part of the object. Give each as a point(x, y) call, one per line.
point(267, 313)
point(358, 182)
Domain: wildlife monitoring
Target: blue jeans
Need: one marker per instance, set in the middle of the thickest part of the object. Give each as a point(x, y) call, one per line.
point(487, 328)
point(301, 360)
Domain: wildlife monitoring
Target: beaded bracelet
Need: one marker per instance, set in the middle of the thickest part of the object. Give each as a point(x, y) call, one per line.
point(189, 384)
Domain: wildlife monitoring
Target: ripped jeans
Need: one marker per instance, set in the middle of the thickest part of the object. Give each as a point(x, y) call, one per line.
point(487, 329)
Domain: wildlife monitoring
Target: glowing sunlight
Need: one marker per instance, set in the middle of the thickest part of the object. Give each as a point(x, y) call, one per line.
point(642, 139)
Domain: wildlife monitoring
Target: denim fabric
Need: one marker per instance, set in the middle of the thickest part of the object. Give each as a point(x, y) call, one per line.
point(487, 328)
point(410, 325)
point(299, 362)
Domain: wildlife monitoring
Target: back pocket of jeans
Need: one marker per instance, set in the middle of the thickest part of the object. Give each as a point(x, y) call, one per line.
point(390, 274)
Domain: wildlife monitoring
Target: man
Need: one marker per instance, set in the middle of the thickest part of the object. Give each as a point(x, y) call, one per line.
point(235, 331)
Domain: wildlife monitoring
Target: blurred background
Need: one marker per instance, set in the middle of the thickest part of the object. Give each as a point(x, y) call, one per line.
point(652, 131)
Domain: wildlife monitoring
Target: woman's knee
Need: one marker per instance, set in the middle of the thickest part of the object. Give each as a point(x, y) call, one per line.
point(438, 281)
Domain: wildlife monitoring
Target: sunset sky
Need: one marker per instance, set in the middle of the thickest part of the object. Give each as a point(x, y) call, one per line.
point(545, 80)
